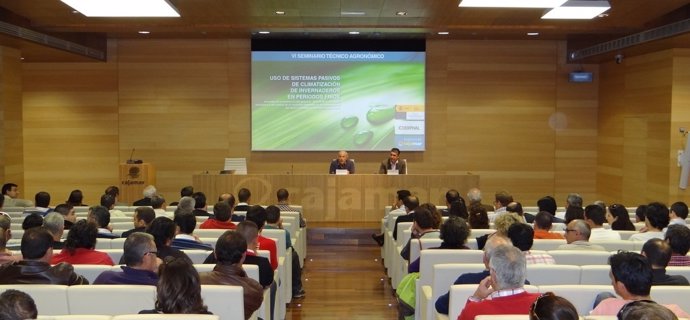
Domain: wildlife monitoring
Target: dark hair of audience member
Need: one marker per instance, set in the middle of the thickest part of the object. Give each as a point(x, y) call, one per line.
point(145, 213)
point(31, 221)
point(640, 213)
point(82, 235)
point(199, 200)
point(163, 230)
point(521, 235)
point(36, 242)
point(478, 218)
point(230, 247)
point(222, 211)
point(678, 236)
point(458, 209)
point(633, 270)
point(645, 310)
point(552, 307)
point(574, 213)
point(17, 305)
point(622, 218)
point(435, 215)
point(75, 198)
point(257, 214)
point(179, 288)
point(657, 215)
point(454, 233)
point(272, 214)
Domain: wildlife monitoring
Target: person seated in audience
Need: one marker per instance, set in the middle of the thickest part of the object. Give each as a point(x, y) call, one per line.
point(393, 163)
point(186, 205)
point(75, 199)
point(179, 289)
point(243, 196)
point(141, 262)
point(548, 204)
point(142, 218)
point(477, 217)
point(108, 201)
point(474, 277)
point(6, 255)
point(501, 201)
point(284, 204)
point(678, 237)
point(231, 249)
point(658, 253)
point(42, 204)
point(411, 203)
point(32, 221)
point(640, 212)
point(55, 224)
point(184, 239)
point(656, 219)
point(577, 234)
point(163, 231)
point(474, 197)
point(10, 193)
point(17, 305)
point(274, 221)
point(115, 192)
point(343, 162)
point(502, 291)
point(454, 232)
point(186, 191)
point(200, 204)
point(158, 205)
point(452, 195)
point(573, 213)
point(573, 200)
point(397, 209)
point(2, 203)
point(678, 213)
point(227, 197)
point(80, 244)
point(522, 237)
point(595, 218)
point(502, 224)
point(618, 218)
point(552, 307)
point(148, 192)
point(458, 209)
point(101, 216)
point(220, 219)
point(425, 224)
point(68, 213)
point(516, 207)
point(35, 268)
point(257, 214)
point(542, 227)
point(631, 276)
point(642, 309)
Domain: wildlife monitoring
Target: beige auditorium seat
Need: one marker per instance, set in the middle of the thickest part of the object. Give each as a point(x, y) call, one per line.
point(50, 299)
point(444, 275)
point(121, 299)
point(117, 243)
point(197, 255)
point(416, 245)
point(615, 245)
point(227, 302)
point(91, 271)
point(115, 254)
point(552, 274)
point(76, 317)
point(581, 296)
point(167, 316)
point(672, 295)
point(595, 274)
point(547, 244)
point(209, 233)
point(580, 257)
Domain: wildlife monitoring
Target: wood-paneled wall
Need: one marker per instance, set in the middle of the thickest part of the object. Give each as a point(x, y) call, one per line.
point(501, 109)
point(11, 139)
point(680, 117)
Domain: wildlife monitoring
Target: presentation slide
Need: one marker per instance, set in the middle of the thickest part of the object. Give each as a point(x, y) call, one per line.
point(324, 101)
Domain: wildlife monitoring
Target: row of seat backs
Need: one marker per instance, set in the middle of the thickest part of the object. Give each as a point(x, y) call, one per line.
point(132, 317)
point(91, 271)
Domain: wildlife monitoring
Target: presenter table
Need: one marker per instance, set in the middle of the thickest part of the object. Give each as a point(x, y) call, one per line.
point(347, 198)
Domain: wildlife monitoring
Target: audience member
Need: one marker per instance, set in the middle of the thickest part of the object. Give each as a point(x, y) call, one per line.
point(577, 234)
point(542, 226)
point(631, 277)
point(35, 268)
point(32, 221)
point(458, 209)
point(552, 307)
point(678, 237)
point(640, 213)
point(163, 231)
point(108, 201)
point(397, 209)
point(656, 219)
point(68, 213)
point(55, 224)
point(141, 263)
point(142, 218)
point(179, 289)
point(618, 218)
point(516, 207)
point(200, 205)
point(148, 192)
point(230, 251)
point(502, 225)
point(186, 205)
point(284, 204)
point(645, 310)
point(451, 196)
point(158, 205)
point(17, 305)
point(501, 201)
point(243, 196)
point(101, 216)
point(257, 214)
point(186, 191)
point(79, 246)
point(454, 232)
point(548, 204)
point(573, 213)
point(678, 213)
point(522, 237)
point(595, 218)
point(2, 203)
point(75, 199)
point(184, 239)
point(220, 219)
point(10, 192)
point(658, 253)
point(6, 255)
point(502, 292)
point(478, 218)
point(42, 199)
point(424, 226)
point(411, 203)
point(474, 197)
point(115, 192)
point(573, 200)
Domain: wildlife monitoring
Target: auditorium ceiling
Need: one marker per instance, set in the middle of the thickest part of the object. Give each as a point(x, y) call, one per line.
point(373, 19)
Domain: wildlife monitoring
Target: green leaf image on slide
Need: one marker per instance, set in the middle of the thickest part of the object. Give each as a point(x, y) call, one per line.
point(331, 106)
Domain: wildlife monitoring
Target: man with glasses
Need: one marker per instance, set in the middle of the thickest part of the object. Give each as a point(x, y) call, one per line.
point(577, 237)
point(141, 263)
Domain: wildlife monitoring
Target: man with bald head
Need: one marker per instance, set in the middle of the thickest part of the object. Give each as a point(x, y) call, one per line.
point(577, 235)
point(658, 253)
point(342, 163)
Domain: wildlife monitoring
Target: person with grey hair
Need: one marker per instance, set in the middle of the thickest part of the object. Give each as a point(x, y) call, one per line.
point(148, 192)
point(186, 204)
point(474, 198)
point(343, 162)
point(574, 200)
point(55, 223)
point(141, 263)
point(158, 205)
point(6, 255)
point(577, 234)
point(502, 291)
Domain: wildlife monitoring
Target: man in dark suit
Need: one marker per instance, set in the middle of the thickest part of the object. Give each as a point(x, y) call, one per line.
point(393, 163)
point(411, 203)
point(342, 163)
point(149, 191)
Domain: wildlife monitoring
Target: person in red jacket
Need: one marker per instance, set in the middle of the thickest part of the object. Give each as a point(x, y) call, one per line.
point(257, 214)
point(220, 219)
point(79, 246)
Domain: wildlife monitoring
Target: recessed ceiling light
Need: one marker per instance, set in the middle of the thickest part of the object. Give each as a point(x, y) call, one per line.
point(443, 33)
point(123, 8)
point(352, 13)
point(401, 13)
point(532, 33)
point(511, 3)
point(144, 32)
point(578, 9)
point(280, 13)
point(264, 32)
point(353, 32)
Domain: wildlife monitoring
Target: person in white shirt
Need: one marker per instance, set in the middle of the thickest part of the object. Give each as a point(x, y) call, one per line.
point(656, 219)
point(678, 213)
point(108, 201)
point(397, 209)
point(158, 204)
point(595, 217)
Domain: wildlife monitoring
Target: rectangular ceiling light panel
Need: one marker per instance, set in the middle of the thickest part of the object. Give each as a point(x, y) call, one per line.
point(578, 9)
point(511, 3)
point(123, 8)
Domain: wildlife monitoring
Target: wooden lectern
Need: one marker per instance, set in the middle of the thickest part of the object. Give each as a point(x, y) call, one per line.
point(134, 177)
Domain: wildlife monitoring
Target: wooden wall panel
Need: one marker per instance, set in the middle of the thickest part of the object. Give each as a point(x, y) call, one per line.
point(70, 128)
point(11, 125)
point(680, 117)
